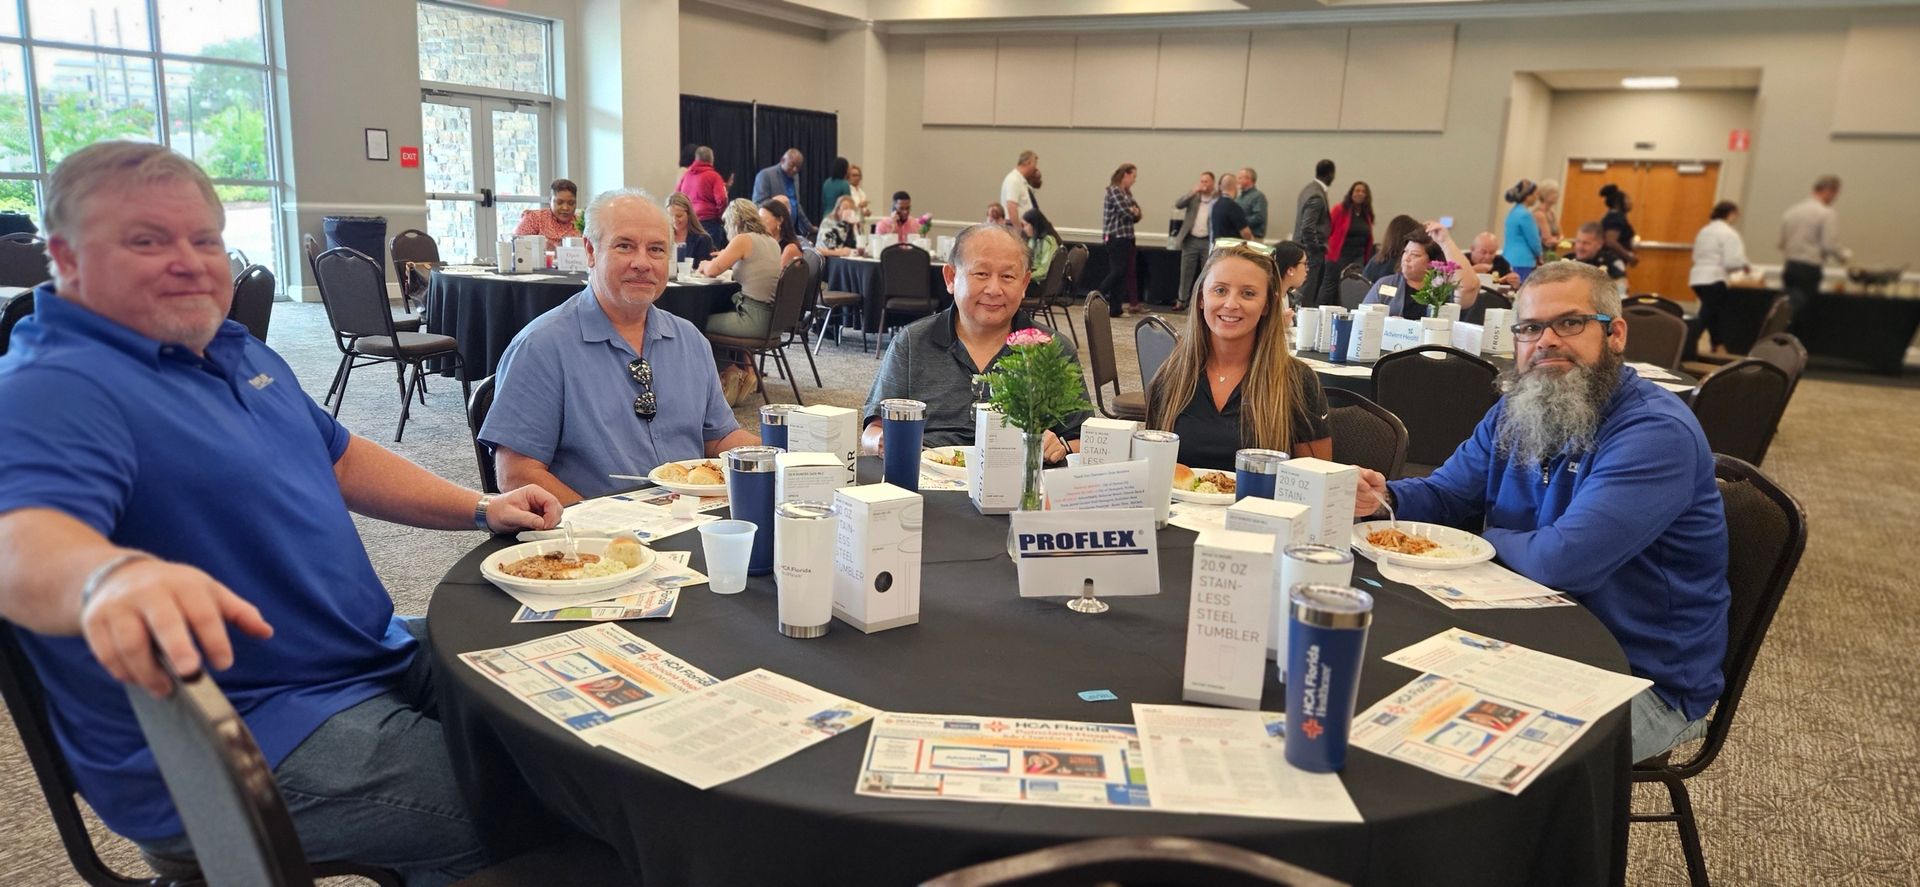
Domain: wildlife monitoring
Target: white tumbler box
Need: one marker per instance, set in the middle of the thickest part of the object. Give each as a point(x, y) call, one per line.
point(1363, 342)
point(1323, 341)
point(876, 559)
point(1498, 326)
point(826, 429)
point(1286, 523)
point(1228, 614)
point(1399, 334)
point(997, 463)
point(1467, 337)
point(1436, 331)
point(529, 253)
point(1451, 310)
point(1327, 489)
point(1106, 440)
point(807, 477)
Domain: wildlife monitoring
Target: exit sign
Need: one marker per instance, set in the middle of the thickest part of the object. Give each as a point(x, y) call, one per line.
point(409, 156)
point(1739, 140)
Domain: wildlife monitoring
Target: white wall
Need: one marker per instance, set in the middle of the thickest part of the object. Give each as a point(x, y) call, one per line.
point(728, 54)
point(1681, 124)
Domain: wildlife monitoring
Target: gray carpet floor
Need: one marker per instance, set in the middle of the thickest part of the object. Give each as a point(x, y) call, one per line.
point(1820, 782)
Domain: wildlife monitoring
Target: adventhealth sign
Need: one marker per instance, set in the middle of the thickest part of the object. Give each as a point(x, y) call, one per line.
point(1078, 544)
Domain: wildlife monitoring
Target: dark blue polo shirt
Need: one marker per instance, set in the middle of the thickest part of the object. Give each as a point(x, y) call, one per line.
point(224, 464)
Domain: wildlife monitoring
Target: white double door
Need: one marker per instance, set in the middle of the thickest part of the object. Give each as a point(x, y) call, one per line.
point(486, 160)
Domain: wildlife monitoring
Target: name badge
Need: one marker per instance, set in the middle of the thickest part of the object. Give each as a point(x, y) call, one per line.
point(1389, 291)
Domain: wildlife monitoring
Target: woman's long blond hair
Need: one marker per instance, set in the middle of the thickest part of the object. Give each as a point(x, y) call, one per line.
point(1272, 381)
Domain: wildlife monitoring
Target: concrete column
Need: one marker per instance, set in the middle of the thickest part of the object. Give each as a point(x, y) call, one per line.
point(863, 121)
point(631, 90)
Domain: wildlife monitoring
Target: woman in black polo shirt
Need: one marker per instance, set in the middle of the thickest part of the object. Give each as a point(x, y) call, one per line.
point(1231, 381)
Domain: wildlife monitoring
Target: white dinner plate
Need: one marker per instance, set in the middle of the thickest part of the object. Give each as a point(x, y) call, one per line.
point(685, 489)
point(941, 468)
point(1458, 548)
point(1180, 495)
point(490, 568)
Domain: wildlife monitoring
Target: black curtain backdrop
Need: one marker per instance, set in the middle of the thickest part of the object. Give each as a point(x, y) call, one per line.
point(727, 128)
point(815, 133)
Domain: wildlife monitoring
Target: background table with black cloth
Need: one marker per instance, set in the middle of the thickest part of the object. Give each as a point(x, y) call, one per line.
point(1156, 272)
point(1363, 385)
point(855, 274)
point(982, 650)
point(1861, 328)
point(485, 311)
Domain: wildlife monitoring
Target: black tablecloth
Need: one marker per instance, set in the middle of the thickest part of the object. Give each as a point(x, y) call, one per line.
point(1156, 271)
point(1363, 385)
point(1864, 329)
point(486, 312)
point(982, 650)
point(848, 274)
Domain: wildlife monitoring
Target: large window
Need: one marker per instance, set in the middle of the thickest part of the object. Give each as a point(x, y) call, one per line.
point(487, 119)
point(192, 74)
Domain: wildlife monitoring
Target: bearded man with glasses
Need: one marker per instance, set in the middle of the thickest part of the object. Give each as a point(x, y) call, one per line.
point(1595, 482)
point(608, 382)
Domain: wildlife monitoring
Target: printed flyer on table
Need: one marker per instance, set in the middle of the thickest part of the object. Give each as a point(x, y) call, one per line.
point(1004, 761)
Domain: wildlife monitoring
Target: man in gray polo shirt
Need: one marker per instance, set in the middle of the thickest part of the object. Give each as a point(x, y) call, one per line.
point(935, 358)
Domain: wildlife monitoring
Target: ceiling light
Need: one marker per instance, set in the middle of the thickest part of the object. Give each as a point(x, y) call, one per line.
point(1650, 82)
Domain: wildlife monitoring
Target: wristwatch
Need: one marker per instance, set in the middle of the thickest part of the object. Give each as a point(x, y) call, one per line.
point(480, 513)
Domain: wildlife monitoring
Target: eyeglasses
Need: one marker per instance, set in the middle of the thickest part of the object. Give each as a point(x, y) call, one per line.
point(1565, 327)
point(644, 406)
point(1231, 242)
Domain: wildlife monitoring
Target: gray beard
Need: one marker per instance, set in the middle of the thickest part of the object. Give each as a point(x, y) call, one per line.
point(1548, 414)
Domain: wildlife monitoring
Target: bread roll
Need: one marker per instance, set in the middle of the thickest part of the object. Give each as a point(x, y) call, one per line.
point(705, 474)
point(1183, 478)
point(626, 549)
point(673, 473)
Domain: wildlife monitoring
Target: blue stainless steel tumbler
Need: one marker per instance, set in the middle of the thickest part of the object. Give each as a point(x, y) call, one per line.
point(1254, 471)
point(902, 423)
point(750, 475)
point(773, 424)
point(1326, 642)
point(1342, 331)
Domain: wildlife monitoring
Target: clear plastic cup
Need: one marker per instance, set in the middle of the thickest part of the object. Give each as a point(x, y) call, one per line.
point(728, 546)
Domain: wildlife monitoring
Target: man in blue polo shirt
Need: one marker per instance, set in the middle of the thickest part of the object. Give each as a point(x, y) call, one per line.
point(609, 383)
point(1593, 481)
point(163, 475)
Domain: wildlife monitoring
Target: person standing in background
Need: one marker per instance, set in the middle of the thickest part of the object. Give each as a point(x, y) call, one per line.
point(1118, 213)
point(1546, 215)
point(783, 178)
point(859, 196)
point(708, 194)
point(1349, 240)
point(1253, 201)
point(1617, 232)
point(1312, 224)
point(835, 185)
point(1229, 220)
point(1809, 238)
point(1522, 248)
point(1016, 190)
point(1192, 238)
point(1717, 252)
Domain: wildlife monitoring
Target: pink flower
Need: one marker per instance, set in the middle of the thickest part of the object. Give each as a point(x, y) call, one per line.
point(1028, 336)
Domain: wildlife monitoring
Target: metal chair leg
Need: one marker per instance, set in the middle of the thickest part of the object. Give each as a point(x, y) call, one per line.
point(810, 364)
point(406, 398)
point(346, 373)
point(1689, 832)
point(339, 376)
point(780, 357)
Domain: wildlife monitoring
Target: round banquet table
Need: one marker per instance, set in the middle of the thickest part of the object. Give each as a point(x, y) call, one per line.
point(484, 310)
point(1330, 377)
point(980, 649)
point(859, 274)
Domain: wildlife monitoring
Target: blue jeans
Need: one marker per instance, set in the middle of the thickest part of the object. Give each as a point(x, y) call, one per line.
point(1657, 727)
point(373, 785)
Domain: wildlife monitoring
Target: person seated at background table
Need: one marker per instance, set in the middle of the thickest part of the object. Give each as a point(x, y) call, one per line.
point(608, 382)
point(1487, 261)
point(1589, 249)
point(1042, 243)
point(899, 220)
point(777, 218)
point(934, 359)
point(839, 231)
point(1231, 381)
point(1387, 260)
point(1291, 260)
point(130, 520)
point(1422, 250)
point(690, 239)
point(558, 220)
point(1592, 481)
point(996, 214)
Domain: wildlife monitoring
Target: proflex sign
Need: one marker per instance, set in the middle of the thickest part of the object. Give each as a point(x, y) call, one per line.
point(1056, 552)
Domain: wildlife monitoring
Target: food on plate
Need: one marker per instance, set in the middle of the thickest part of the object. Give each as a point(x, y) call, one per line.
point(626, 548)
point(957, 458)
point(673, 473)
point(1187, 479)
point(556, 566)
point(1401, 543)
point(705, 473)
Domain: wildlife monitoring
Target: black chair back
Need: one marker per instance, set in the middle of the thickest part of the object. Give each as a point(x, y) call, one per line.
point(477, 408)
point(1784, 351)
point(22, 236)
point(1779, 317)
point(1100, 357)
point(1353, 291)
point(412, 247)
point(1655, 336)
point(1366, 433)
point(1440, 398)
point(236, 264)
point(19, 306)
point(310, 245)
point(1137, 860)
point(1486, 301)
point(1153, 342)
point(253, 300)
point(1076, 263)
point(1056, 280)
point(355, 291)
point(1739, 407)
point(23, 263)
point(790, 297)
point(1649, 300)
point(903, 272)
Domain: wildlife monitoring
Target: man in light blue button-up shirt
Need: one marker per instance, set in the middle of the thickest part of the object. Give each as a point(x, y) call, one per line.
point(609, 383)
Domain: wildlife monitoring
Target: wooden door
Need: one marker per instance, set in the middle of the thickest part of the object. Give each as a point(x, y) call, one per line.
point(1671, 201)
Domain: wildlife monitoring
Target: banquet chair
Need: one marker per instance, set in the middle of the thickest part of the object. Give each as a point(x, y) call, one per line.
point(1651, 300)
point(355, 294)
point(22, 236)
point(253, 300)
point(1069, 282)
point(19, 306)
point(1136, 860)
point(478, 406)
point(1040, 305)
point(1440, 394)
point(411, 250)
point(1353, 291)
point(1784, 351)
point(236, 264)
point(23, 262)
point(1106, 369)
point(1766, 534)
point(789, 299)
point(1654, 336)
point(1739, 407)
point(1778, 319)
point(801, 333)
point(1366, 433)
point(1153, 342)
point(405, 322)
point(904, 269)
point(1486, 301)
point(26, 702)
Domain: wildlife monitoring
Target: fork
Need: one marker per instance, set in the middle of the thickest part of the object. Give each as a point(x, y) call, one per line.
point(573, 548)
point(1393, 522)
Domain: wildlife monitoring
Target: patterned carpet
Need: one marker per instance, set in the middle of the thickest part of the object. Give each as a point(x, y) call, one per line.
point(1818, 784)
